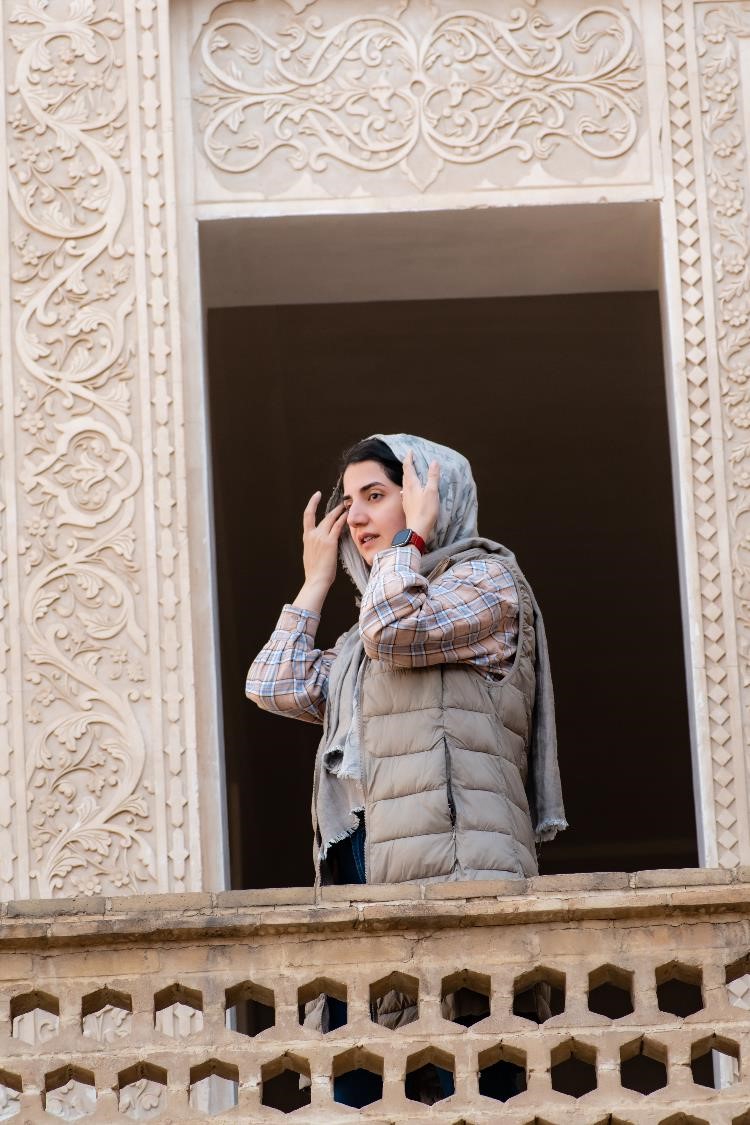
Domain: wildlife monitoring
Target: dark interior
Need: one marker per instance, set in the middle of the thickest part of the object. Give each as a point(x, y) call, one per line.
point(559, 404)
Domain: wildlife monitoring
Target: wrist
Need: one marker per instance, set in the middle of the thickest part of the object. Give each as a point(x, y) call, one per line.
point(313, 593)
point(422, 527)
point(410, 537)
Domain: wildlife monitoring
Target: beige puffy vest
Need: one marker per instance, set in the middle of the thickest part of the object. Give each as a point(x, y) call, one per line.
point(445, 764)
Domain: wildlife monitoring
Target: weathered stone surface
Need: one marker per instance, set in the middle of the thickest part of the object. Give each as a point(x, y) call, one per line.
point(552, 930)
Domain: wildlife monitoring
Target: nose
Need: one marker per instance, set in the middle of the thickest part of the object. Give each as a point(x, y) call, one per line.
point(356, 516)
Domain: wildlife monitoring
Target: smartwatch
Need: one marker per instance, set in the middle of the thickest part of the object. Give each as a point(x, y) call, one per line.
point(409, 538)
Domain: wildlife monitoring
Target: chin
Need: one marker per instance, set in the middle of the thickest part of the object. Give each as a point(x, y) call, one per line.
point(369, 554)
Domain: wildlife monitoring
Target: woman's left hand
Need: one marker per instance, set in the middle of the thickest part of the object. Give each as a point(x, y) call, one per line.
point(421, 505)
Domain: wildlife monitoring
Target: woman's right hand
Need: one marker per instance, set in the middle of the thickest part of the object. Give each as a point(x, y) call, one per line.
point(320, 544)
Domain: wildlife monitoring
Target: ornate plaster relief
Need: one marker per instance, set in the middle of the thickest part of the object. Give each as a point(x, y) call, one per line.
point(303, 100)
point(98, 480)
point(723, 45)
point(398, 97)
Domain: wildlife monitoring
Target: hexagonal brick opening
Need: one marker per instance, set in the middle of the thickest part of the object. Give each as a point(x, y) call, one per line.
point(357, 1078)
point(34, 1017)
point(715, 1062)
point(11, 1088)
point(214, 1087)
point(69, 1092)
point(285, 1083)
point(323, 1001)
point(679, 989)
point(539, 994)
point(573, 1068)
point(178, 1011)
point(249, 1008)
point(738, 982)
point(106, 1015)
point(142, 1091)
point(394, 1000)
point(502, 1072)
point(430, 1076)
point(643, 1066)
point(743, 1119)
point(611, 992)
point(465, 997)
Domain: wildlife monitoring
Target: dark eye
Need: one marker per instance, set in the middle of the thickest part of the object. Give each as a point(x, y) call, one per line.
point(375, 495)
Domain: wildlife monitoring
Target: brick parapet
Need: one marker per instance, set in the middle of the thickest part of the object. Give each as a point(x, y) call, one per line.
point(124, 1006)
point(551, 898)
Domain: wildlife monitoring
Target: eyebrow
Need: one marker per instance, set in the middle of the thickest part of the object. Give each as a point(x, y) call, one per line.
point(365, 487)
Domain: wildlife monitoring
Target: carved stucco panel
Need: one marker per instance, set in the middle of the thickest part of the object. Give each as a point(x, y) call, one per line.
point(13, 836)
point(723, 50)
point(99, 619)
point(704, 129)
point(345, 99)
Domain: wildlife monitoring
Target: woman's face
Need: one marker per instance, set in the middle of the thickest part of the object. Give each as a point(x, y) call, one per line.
point(374, 509)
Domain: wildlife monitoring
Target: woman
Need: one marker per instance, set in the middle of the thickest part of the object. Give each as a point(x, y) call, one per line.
point(438, 757)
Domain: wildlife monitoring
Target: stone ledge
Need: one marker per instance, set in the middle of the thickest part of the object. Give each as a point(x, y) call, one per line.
point(551, 898)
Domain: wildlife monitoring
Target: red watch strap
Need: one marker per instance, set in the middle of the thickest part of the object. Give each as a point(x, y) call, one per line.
point(419, 543)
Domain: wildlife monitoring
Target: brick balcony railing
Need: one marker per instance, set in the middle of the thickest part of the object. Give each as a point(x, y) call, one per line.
point(188, 1007)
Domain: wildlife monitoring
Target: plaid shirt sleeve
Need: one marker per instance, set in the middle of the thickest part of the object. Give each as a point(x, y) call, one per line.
point(289, 675)
point(468, 614)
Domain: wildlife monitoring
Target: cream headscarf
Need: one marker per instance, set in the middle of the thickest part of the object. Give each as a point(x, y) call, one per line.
point(456, 524)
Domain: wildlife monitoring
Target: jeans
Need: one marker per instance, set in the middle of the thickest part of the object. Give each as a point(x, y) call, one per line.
point(349, 855)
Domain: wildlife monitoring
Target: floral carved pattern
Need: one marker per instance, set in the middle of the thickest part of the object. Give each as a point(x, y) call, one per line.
point(85, 650)
point(720, 753)
point(720, 30)
point(366, 92)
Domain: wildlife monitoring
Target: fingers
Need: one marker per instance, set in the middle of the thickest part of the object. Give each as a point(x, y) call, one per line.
point(411, 478)
point(410, 473)
point(330, 518)
point(308, 516)
point(339, 524)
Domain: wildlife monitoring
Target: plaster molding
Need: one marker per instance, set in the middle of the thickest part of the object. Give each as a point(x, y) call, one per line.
point(722, 30)
point(99, 623)
point(373, 92)
point(701, 113)
point(14, 878)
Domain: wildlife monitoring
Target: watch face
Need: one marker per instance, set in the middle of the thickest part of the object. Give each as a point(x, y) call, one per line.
point(402, 538)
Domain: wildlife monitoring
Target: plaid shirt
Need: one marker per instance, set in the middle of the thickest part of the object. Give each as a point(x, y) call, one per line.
point(467, 615)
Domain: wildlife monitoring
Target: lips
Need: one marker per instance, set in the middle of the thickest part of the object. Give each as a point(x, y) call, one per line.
point(365, 540)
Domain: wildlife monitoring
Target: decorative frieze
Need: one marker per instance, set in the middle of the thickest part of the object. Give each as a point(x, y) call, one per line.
point(415, 89)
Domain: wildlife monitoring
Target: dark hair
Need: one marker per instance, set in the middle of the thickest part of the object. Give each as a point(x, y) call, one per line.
point(373, 449)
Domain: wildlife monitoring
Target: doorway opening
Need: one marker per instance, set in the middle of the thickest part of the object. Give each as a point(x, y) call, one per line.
point(558, 401)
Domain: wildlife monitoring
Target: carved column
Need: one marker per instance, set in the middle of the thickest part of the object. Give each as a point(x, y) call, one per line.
point(709, 248)
point(98, 790)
